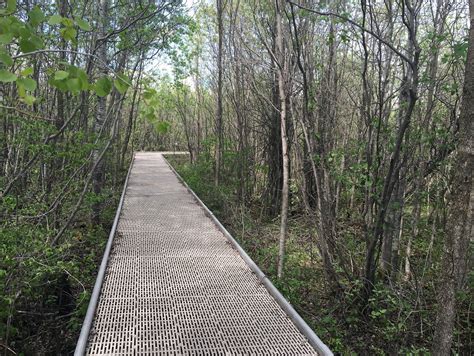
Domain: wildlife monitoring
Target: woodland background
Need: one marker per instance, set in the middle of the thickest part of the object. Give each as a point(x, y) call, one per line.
point(333, 138)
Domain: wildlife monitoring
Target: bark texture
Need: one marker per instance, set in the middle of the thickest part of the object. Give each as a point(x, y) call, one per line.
point(459, 231)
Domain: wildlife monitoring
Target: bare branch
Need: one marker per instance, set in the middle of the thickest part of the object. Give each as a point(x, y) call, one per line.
point(359, 26)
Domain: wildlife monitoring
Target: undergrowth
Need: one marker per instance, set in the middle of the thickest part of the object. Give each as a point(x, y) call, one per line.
point(45, 289)
point(398, 320)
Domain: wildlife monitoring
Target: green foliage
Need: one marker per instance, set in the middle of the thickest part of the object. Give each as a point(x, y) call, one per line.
point(49, 285)
point(103, 86)
point(10, 7)
point(27, 83)
point(163, 127)
point(6, 76)
point(37, 282)
point(83, 24)
point(31, 44)
point(27, 71)
point(69, 33)
point(458, 52)
point(36, 16)
point(122, 83)
point(24, 86)
point(29, 99)
point(6, 38)
point(61, 75)
point(55, 19)
point(5, 58)
point(72, 80)
point(199, 178)
point(388, 324)
point(45, 289)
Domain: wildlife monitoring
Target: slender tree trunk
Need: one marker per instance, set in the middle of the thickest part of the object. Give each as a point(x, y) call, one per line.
point(131, 115)
point(326, 244)
point(219, 128)
point(411, 237)
point(101, 113)
point(199, 104)
point(459, 227)
point(410, 95)
point(282, 69)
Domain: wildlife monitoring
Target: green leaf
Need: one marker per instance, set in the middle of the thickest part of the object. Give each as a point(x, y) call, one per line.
point(149, 93)
point(150, 116)
point(61, 75)
point(5, 58)
point(6, 76)
point(28, 83)
point(83, 79)
point(27, 71)
point(83, 25)
point(163, 126)
point(21, 90)
point(36, 16)
point(74, 85)
point(55, 19)
point(27, 46)
point(29, 99)
point(60, 84)
point(103, 86)
point(10, 8)
point(460, 50)
point(121, 83)
point(67, 22)
point(6, 38)
point(11, 5)
point(31, 44)
point(68, 33)
point(25, 32)
point(81, 75)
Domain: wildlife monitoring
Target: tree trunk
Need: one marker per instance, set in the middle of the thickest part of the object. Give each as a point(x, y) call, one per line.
point(219, 133)
point(459, 224)
point(131, 116)
point(282, 71)
point(101, 113)
point(395, 173)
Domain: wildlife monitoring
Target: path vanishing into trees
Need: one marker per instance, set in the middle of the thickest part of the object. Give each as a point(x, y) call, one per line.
point(174, 282)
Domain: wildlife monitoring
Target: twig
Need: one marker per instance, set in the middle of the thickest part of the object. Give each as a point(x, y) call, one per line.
point(36, 155)
point(359, 26)
point(42, 51)
point(81, 197)
point(25, 113)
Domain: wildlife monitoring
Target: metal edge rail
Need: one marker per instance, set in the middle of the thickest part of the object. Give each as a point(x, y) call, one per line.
point(87, 324)
point(302, 326)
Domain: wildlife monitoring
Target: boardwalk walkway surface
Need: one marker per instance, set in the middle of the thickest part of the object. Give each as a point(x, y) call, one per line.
point(175, 285)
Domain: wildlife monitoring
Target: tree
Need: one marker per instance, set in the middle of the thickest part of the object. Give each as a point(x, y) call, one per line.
point(101, 109)
point(282, 72)
point(68, 122)
point(219, 125)
point(459, 233)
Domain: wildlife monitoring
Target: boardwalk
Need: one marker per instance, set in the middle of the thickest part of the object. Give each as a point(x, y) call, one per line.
point(175, 285)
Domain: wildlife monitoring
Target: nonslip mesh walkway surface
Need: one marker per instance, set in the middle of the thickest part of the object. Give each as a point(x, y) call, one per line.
point(174, 285)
